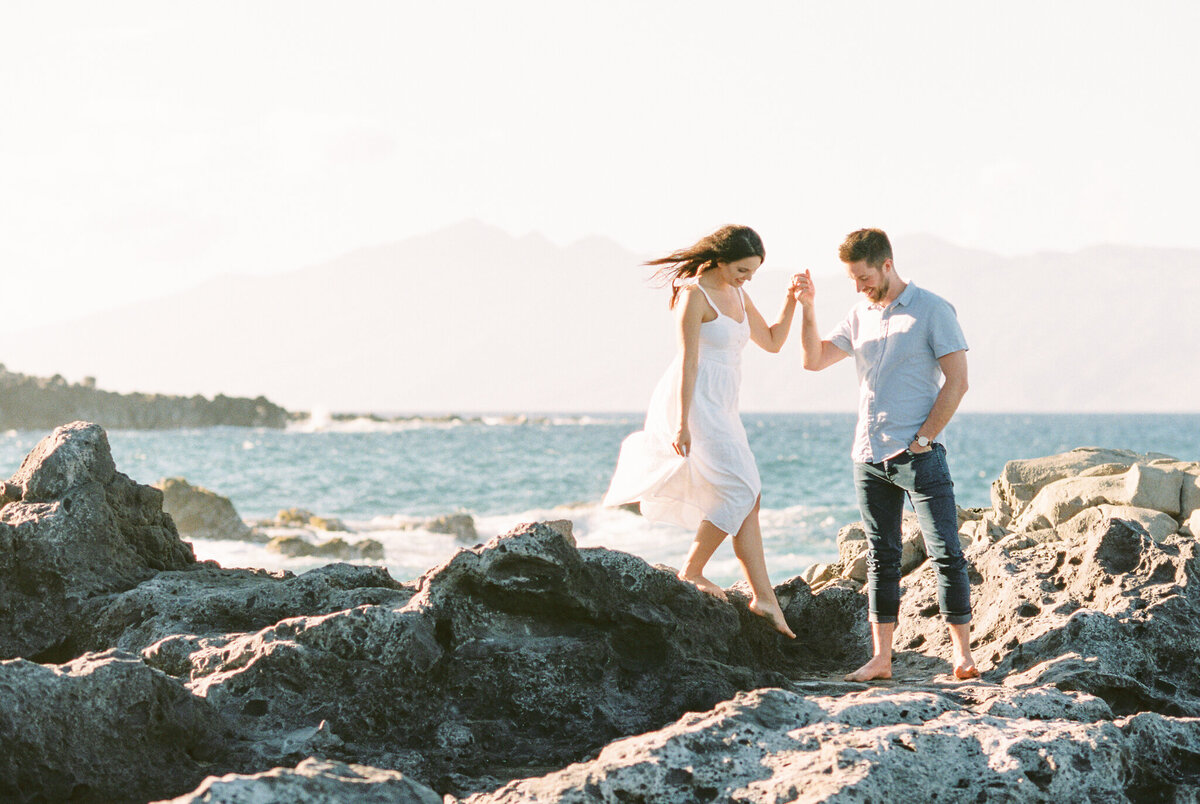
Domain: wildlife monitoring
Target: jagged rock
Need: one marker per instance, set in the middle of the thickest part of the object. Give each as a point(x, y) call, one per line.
point(525, 651)
point(1158, 525)
point(103, 728)
point(1189, 497)
point(1139, 487)
point(1110, 612)
point(174, 614)
point(518, 656)
point(203, 514)
point(313, 781)
point(852, 552)
point(331, 548)
point(820, 574)
point(852, 548)
point(301, 518)
point(81, 529)
point(778, 745)
point(1020, 480)
point(1167, 752)
point(1192, 526)
point(460, 525)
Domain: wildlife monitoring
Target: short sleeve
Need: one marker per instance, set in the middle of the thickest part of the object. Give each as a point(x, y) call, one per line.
point(945, 335)
point(841, 336)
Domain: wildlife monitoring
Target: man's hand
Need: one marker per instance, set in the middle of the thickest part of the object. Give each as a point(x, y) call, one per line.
point(917, 449)
point(802, 289)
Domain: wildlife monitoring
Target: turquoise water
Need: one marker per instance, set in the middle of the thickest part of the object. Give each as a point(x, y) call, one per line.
point(384, 479)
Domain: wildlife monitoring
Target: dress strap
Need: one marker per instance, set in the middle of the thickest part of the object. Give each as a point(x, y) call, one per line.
point(710, 301)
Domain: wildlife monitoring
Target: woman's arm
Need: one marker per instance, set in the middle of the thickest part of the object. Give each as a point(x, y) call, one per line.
point(690, 316)
point(772, 338)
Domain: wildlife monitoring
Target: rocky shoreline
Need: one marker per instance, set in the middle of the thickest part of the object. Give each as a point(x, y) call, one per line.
point(527, 669)
point(41, 403)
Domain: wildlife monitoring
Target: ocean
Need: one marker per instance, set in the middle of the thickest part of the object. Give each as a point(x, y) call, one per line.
point(385, 478)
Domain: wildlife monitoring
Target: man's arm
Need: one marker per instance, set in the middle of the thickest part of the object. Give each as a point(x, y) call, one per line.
point(818, 354)
point(954, 367)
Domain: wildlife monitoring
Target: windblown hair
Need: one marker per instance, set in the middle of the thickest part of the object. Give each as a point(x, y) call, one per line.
point(871, 245)
point(727, 244)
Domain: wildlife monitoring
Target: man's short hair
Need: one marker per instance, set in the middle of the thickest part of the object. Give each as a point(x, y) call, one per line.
point(871, 245)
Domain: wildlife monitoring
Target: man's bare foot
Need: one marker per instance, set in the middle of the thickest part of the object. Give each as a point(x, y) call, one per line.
point(704, 585)
point(877, 669)
point(774, 616)
point(965, 669)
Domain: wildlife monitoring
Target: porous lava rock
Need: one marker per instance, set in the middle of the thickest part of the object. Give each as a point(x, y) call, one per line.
point(79, 529)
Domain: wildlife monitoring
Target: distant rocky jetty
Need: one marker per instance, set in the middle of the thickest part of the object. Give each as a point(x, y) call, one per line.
point(530, 670)
point(40, 403)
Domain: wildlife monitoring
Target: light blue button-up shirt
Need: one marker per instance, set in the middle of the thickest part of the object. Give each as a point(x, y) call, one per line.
point(896, 351)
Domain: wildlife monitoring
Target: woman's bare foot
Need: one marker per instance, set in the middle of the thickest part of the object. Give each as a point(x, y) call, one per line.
point(877, 669)
point(775, 616)
point(704, 585)
point(965, 669)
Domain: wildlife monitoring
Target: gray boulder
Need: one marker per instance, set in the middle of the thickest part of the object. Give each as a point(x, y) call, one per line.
point(920, 744)
point(524, 652)
point(103, 728)
point(313, 781)
point(335, 548)
point(1021, 480)
point(460, 525)
point(175, 613)
point(202, 514)
point(1111, 613)
point(80, 529)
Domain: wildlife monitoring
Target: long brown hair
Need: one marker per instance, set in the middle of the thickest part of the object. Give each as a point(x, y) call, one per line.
point(727, 244)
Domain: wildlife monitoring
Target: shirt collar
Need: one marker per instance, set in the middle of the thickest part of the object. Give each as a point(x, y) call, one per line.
point(906, 296)
point(904, 299)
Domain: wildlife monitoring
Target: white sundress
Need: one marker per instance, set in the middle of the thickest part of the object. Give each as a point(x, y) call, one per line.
point(718, 481)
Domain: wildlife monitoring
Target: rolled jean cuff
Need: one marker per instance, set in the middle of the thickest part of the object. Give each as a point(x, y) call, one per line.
point(957, 619)
point(887, 618)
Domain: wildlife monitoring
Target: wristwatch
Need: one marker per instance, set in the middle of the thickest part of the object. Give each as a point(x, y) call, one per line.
point(922, 441)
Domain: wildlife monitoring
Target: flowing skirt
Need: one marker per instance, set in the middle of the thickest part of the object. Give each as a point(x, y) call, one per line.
point(718, 481)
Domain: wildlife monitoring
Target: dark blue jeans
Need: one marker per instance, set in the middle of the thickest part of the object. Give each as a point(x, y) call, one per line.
point(925, 479)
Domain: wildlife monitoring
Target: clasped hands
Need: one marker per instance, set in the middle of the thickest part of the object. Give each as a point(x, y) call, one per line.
point(802, 289)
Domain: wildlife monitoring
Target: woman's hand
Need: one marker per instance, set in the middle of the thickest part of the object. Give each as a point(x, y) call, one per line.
point(802, 288)
point(683, 441)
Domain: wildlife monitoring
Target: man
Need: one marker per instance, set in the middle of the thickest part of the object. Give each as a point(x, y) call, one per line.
point(904, 340)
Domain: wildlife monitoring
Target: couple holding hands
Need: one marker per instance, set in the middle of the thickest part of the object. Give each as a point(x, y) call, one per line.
point(691, 464)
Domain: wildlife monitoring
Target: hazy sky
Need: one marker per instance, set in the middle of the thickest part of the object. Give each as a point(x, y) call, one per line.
point(147, 146)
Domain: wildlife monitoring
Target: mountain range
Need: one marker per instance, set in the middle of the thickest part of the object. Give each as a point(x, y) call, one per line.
point(470, 318)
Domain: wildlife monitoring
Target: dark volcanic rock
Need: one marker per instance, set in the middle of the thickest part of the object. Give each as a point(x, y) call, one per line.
point(174, 613)
point(525, 652)
point(912, 745)
point(519, 656)
point(36, 403)
point(336, 548)
point(80, 529)
point(313, 781)
point(103, 728)
point(1109, 612)
point(203, 514)
point(460, 525)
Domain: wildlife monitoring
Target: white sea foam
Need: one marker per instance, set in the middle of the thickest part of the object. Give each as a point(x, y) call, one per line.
point(321, 421)
point(411, 550)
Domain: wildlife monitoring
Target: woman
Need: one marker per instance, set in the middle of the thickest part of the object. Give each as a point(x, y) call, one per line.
point(691, 465)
